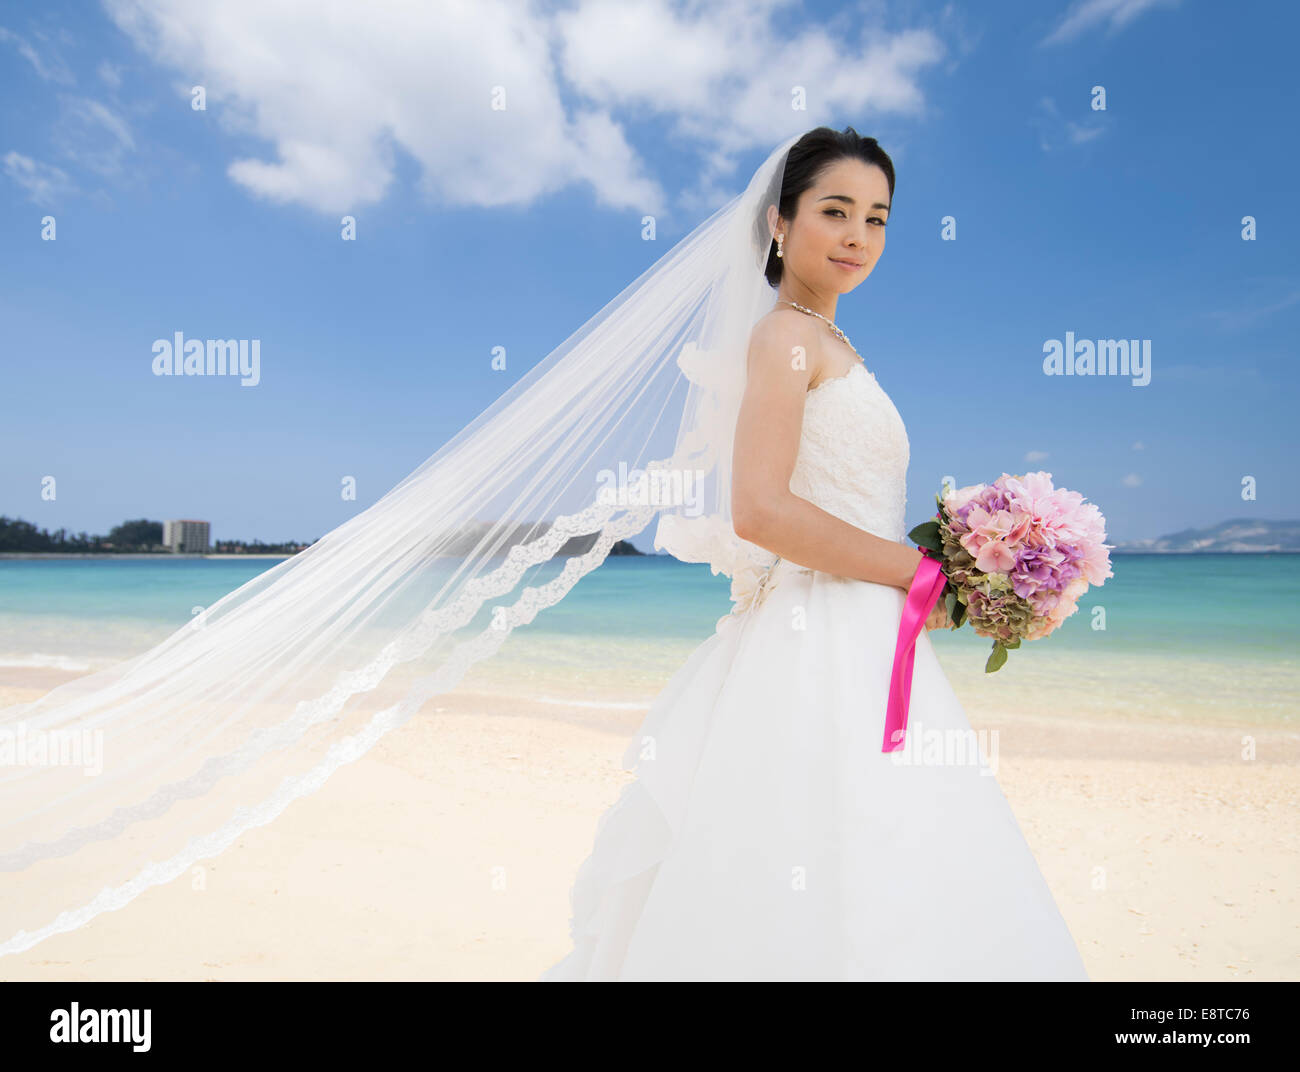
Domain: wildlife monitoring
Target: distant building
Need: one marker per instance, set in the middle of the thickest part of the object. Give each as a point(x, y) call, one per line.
point(188, 537)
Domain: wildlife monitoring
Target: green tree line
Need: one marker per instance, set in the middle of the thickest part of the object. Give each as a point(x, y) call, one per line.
point(140, 536)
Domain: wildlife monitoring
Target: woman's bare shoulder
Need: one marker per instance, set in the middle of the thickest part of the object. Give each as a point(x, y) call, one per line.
point(777, 333)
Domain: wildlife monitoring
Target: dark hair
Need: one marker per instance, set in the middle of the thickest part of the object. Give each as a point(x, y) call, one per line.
point(807, 158)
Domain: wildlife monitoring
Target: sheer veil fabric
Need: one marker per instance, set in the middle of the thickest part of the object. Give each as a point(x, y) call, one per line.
point(128, 777)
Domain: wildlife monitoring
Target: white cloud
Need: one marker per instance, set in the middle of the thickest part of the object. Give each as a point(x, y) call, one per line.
point(1247, 315)
point(1115, 14)
point(92, 135)
point(1035, 455)
point(49, 67)
point(725, 75)
point(45, 184)
point(1078, 134)
point(723, 71)
point(111, 74)
point(1132, 481)
point(337, 90)
point(1055, 129)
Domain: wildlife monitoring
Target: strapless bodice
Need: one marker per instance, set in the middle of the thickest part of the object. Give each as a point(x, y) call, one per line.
point(853, 454)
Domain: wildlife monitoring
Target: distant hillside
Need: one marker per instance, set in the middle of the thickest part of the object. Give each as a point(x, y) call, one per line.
point(1240, 535)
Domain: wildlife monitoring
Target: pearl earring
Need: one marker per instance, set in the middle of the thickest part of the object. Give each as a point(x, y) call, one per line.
point(779, 251)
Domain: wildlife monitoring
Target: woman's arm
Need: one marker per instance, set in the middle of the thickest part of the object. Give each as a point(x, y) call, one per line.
point(764, 509)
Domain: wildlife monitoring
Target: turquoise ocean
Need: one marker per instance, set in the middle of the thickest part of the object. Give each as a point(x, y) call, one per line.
point(1209, 638)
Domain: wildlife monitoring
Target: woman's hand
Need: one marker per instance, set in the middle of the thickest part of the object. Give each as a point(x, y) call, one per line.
point(938, 618)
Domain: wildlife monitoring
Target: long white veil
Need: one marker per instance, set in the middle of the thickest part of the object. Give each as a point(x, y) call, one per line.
point(125, 778)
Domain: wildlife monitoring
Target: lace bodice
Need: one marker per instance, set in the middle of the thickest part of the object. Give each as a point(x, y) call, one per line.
point(852, 462)
point(853, 454)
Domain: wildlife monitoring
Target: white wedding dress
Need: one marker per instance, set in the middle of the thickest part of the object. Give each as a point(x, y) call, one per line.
point(767, 836)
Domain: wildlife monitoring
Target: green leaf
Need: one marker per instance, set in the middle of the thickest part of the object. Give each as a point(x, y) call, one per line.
point(950, 604)
point(959, 615)
point(997, 658)
point(927, 535)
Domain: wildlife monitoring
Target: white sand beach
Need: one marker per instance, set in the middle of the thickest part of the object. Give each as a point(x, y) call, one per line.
point(448, 851)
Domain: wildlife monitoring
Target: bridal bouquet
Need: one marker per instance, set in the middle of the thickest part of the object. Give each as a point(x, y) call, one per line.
point(1017, 554)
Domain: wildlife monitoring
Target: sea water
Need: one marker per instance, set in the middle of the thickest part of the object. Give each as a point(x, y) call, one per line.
point(1199, 638)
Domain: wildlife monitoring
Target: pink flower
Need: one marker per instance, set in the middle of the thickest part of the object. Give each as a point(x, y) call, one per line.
point(1066, 605)
point(995, 557)
point(1072, 592)
point(1096, 563)
point(1028, 491)
point(998, 525)
point(959, 498)
point(1035, 549)
point(1021, 523)
point(976, 517)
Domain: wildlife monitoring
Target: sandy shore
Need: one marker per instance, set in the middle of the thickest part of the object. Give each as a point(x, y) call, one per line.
point(448, 851)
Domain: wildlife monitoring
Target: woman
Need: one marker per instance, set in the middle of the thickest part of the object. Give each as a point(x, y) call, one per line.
point(767, 837)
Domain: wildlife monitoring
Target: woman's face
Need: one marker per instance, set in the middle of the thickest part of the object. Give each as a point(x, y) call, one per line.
point(838, 232)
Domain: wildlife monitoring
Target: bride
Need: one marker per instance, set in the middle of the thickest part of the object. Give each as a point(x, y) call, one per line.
point(767, 837)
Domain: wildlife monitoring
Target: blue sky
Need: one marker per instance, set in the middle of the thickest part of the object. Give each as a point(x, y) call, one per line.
point(1121, 223)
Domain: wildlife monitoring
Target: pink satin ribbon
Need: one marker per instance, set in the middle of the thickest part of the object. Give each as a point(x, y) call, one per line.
point(927, 583)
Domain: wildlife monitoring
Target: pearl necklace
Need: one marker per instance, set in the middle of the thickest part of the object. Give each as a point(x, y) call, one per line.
point(840, 334)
